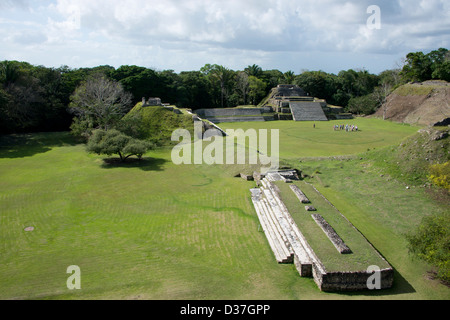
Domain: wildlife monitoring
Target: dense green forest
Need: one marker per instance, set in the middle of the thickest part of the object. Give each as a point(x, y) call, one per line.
point(37, 98)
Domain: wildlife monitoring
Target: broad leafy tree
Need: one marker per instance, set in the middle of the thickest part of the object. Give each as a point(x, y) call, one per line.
point(115, 142)
point(421, 67)
point(257, 90)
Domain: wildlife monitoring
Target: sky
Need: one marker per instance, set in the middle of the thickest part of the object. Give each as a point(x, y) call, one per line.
point(184, 35)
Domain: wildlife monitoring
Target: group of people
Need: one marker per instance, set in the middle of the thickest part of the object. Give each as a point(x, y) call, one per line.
point(346, 127)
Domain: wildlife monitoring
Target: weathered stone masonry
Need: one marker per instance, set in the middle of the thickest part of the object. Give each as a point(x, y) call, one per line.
point(290, 246)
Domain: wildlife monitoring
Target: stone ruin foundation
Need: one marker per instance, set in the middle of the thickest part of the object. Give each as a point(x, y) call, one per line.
point(290, 246)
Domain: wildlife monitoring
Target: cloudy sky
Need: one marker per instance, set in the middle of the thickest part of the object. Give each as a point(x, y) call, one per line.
point(183, 35)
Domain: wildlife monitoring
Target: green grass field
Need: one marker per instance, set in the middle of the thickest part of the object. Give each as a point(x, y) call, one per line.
point(300, 139)
point(155, 230)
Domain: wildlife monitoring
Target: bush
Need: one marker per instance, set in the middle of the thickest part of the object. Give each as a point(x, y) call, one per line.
point(440, 175)
point(431, 242)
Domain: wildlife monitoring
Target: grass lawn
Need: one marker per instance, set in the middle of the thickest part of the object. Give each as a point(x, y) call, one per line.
point(152, 230)
point(300, 139)
point(155, 230)
point(383, 210)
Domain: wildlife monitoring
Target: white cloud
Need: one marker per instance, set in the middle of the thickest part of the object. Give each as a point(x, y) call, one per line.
point(179, 34)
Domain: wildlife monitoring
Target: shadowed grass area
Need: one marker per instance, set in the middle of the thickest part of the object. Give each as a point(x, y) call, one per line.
point(27, 145)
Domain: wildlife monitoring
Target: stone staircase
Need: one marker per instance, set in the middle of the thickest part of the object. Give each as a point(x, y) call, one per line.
point(290, 246)
point(285, 239)
point(307, 111)
point(236, 119)
point(275, 236)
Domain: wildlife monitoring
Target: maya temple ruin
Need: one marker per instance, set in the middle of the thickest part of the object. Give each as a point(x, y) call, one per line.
point(285, 102)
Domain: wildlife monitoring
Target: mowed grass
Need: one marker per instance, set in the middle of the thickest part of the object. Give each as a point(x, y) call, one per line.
point(155, 230)
point(301, 139)
point(150, 230)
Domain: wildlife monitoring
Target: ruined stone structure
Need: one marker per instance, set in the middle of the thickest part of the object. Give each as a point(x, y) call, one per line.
point(307, 111)
point(285, 102)
point(219, 115)
point(289, 245)
point(291, 99)
point(151, 102)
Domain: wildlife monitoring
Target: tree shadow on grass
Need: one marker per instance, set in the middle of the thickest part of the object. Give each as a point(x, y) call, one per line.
point(145, 164)
point(30, 144)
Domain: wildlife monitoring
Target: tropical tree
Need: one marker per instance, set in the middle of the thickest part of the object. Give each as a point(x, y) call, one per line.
point(289, 77)
point(100, 103)
point(31, 98)
point(254, 70)
point(257, 89)
point(115, 142)
point(196, 90)
point(224, 77)
point(362, 105)
point(139, 81)
point(417, 67)
point(318, 84)
point(9, 72)
point(243, 85)
point(272, 78)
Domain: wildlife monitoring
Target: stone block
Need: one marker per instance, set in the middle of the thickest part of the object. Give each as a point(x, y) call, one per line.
point(247, 177)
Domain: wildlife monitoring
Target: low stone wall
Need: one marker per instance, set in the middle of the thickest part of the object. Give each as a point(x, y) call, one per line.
point(218, 112)
point(351, 281)
point(270, 118)
point(331, 234)
point(285, 116)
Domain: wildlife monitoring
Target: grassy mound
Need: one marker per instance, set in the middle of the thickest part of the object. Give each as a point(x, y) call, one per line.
point(157, 123)
point(417, 103)
point(410, 161)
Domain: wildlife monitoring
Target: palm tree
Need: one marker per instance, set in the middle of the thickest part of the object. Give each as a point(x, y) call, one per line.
point(253, 70)
point(289, 77)
point(224, 76)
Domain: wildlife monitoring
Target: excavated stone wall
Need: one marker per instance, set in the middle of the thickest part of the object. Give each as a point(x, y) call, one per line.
point(352, 281)
point(310, 265)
